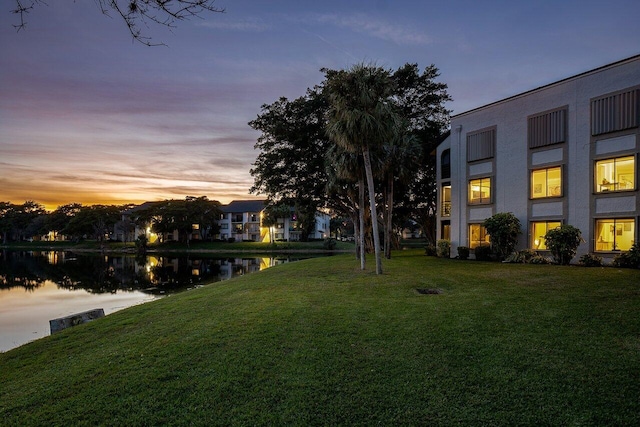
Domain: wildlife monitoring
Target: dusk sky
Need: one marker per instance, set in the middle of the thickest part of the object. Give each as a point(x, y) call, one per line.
point(89, 116)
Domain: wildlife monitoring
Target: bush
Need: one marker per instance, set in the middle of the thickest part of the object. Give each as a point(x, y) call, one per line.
point(483, 253)
point(522, 257)
point(444, 248)
point(463, 252)
point(430, 250)
point(231, 240)
point(563, 243)
point(503, 230)
point(539, 259)
point(590, 260)
point(329, 244)
point(142, 243)
point(629, 259)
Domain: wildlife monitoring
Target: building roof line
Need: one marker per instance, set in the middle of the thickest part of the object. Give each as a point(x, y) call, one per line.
point(577, 76)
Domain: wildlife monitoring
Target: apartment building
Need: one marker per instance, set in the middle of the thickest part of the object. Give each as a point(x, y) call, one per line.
point(564, 153)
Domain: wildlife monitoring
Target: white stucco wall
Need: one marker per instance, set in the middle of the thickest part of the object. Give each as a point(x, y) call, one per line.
point(512, 156)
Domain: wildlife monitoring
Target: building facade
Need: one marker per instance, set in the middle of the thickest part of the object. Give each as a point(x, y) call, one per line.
point(564, 153)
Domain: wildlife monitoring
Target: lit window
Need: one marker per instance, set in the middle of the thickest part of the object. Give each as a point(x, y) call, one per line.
point(478, 236)
point(480, 191)
point(539, 230)
point(615, 234)
point(446, 200)
point(546, 183)
point(615, 174)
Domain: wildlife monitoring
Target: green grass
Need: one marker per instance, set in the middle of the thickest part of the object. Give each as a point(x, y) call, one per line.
point(318, 342)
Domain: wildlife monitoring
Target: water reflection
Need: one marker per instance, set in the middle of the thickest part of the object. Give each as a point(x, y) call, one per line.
point(36, 287)
point(112, 273)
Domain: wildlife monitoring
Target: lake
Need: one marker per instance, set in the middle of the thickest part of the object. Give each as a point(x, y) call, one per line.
point(36, 287)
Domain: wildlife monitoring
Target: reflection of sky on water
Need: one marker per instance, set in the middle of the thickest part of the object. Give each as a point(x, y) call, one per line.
point(36, 287)
point(25, 315)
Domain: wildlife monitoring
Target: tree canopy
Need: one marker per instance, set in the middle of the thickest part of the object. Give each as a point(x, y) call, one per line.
point(306, 157)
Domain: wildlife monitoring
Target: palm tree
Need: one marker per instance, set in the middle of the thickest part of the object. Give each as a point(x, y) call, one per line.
point(361, 116)
point(344, 169)
point(400, 159)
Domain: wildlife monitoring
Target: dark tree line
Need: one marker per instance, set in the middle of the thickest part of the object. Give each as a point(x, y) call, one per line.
point(360, 144)
point(100, 222)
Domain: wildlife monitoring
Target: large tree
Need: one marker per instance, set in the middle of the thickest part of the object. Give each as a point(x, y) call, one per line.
point(362, 119)
point(135, 14)
point(293, 144)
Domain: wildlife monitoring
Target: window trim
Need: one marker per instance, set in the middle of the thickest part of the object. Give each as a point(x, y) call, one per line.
point(546, 169)
point(491, 191)
point(480, 242)
point(598, 187)
point(532, 236)
point(614, 220)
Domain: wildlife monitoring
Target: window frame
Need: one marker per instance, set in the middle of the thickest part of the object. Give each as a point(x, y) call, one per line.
point(481, 241)
point(613, 187)
point(615, 222)
point(481, 200)
point(547, 195)
point(533, 236)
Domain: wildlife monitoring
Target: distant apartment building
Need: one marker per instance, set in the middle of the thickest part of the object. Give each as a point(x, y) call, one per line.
point(564, 153)
point(241, 220)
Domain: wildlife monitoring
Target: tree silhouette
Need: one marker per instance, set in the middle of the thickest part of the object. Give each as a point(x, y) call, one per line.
point(135, 13)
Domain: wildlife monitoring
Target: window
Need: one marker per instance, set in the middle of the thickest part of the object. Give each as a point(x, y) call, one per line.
point(445, 164)
point(480, 191)
point(445, 230)
point(224, 226)
point(446, 200)
point(615, 174)
point(615, 234)
point(539, 230)
point(616, 112)
point(546, 183)
point(547, 128)
point(481, 144)
point(478, 236)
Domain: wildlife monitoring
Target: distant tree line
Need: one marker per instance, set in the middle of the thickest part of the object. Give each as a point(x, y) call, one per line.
point(360, 144)
point(99, 222)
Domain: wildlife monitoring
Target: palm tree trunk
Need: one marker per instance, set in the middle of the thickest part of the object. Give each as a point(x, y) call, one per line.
point(372, 204)
point(361, 225)
point(389, 219)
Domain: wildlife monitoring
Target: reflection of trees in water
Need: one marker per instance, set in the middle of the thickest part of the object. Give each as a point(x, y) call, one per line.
point(26, 274)
point(98, 273)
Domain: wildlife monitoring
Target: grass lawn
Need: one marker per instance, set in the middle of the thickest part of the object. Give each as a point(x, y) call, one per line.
point(318, 342)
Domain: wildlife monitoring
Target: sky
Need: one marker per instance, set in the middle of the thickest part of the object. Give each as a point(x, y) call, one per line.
point(89, 116)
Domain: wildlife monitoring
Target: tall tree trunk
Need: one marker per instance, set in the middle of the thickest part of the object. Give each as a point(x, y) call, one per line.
point(361, 215)
point(389, 219)
point(374, 211)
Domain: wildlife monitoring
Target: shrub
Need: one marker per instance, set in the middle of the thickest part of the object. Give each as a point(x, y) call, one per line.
point(522, 257)
point(444, 248)
point(503, 229)
point(142, 243)
point(629, 259)
point(539, 259)
point(563, 243)
point(590, 260)
point(231, 239)
point(463, 252)
point(329, 244)
point(430, 250)
point(483, 253)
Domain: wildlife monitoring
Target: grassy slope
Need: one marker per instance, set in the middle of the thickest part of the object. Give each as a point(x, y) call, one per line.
point(320, 342)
